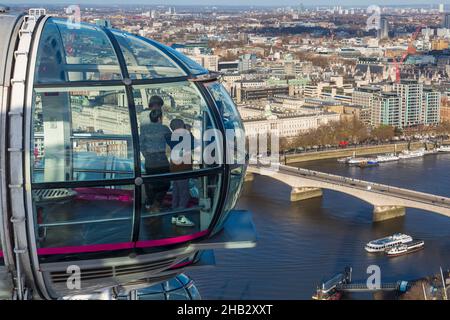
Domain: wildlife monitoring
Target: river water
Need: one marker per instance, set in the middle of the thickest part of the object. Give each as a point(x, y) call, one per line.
point(302, 243)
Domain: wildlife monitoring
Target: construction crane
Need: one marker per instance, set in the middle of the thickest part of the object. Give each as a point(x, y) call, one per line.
point(411, 50)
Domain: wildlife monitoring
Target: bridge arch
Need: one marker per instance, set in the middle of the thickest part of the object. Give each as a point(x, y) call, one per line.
point(389, 202)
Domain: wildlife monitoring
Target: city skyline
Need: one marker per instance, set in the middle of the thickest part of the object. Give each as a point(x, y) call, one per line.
point(270, 3)
point(137, 142)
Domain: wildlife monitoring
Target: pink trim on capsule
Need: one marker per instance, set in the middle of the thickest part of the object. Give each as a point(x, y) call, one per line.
point(87, 248)
point(169, 241)
point(120, 246)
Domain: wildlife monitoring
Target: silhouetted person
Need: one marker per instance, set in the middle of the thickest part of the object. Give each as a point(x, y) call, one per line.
point(155, 103)
point(153, 139)
point(180, 192)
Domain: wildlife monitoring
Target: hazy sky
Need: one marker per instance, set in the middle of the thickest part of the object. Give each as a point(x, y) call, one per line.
point(426, 3)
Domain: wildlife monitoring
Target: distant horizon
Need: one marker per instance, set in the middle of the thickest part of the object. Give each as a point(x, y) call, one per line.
point(232, 3)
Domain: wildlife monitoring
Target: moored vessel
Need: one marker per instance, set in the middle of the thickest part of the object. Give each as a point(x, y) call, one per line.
point(356, 161)
point(344, 160)
point(431, 151)
point(444, 148)
point(408, 154)
point(405, 248)
point(380, 245)
point(388, 157)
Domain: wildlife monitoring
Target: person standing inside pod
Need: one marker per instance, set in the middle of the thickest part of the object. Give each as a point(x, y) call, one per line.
point(180, 188)
point(155, 103)
point(153, 139)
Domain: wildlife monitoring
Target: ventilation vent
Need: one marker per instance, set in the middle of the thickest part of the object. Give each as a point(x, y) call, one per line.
point(109, 272)
point(45, 195)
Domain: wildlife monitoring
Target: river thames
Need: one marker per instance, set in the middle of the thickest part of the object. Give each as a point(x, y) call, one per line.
point(302, 243)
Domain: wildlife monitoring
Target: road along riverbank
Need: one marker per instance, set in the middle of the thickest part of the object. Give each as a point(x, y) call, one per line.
point(350, 151)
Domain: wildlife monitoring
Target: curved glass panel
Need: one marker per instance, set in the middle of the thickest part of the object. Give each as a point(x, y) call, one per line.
point(183, 137)
point(75, 53)
point(154, 296)
point(69, 217)
point(81, 134)
point(184, 279)
point(84, 134)
point(193, 291)
point(193, 66)
point(144, 61)
point(177, 210)
point(172, 284)
point(233, 124)
point(236, 153)
point(169, 290)
point(180, 294)
point(235, 187)
point(157, 288)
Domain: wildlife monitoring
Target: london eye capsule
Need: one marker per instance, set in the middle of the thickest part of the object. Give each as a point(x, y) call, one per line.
point(90, 197)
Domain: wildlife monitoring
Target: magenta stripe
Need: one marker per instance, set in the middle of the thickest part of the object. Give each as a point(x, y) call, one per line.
point(88, 248)
point(1, 254)
point(169, 241)
point(119, 246)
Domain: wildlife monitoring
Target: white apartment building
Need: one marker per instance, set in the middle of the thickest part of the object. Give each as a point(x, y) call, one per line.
point(409, 104)
point(411, 97)
point(431, 106)
point(290, 125)
point(385, 109)
point(252, 83)
point(210, 62)
point(363, 97)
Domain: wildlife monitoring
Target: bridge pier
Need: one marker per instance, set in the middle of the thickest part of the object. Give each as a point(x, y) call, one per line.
point(304, 193)
point(249, 177)
point(382, 213)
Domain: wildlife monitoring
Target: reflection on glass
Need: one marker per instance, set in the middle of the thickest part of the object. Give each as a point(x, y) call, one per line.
point(178, 207)
point(81, 134)
point(179, 288)
point(173, 119)
point(232, 123)
point(75, 54)
point(193, 66)
point(180, 294)
point(236, 153)
point(154, 296)
point(234, 192)
point(235, 188)
point(83, 216)
point(145, 61)
point(172, 284)
point(193, 291)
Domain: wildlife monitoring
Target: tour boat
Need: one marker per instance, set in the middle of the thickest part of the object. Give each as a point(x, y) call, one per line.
point(405, 248)
point(387, 157)
point(344, 160)
point(431, 151)
point(382, 244)
point(444, 148)
point(407, 154)
point(356, 161)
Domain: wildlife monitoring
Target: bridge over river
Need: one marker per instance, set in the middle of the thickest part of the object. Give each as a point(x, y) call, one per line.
point(388, 201)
